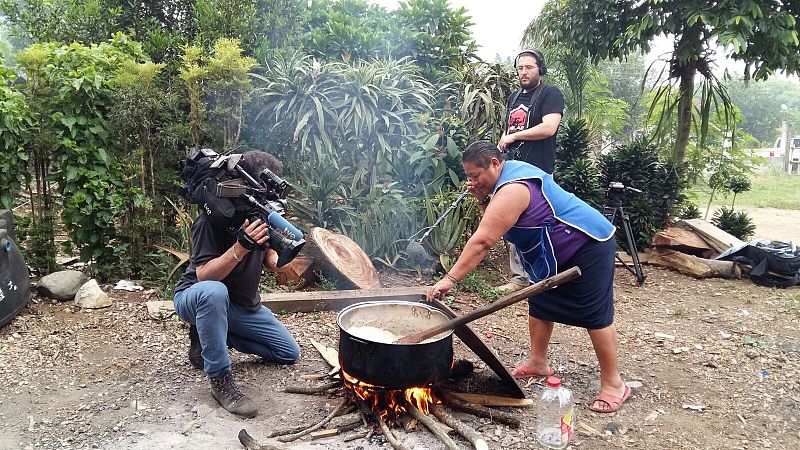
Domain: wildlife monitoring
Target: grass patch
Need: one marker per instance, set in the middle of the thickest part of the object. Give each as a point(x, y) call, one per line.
point(770, 189)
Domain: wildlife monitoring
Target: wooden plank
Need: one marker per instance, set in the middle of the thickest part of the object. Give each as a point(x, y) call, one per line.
point(330, 355)
point(486, 354)
point(718, 239)
point(336, 300)
point(683, 240)
point(493, 400)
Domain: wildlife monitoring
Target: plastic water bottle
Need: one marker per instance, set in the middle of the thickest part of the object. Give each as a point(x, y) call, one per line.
point(555, 415)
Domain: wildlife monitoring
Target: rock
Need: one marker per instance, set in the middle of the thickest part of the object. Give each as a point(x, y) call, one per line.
point(612, 427)
point(752, 354)
point(633, 384)
point(91, 296)
point(61, 285)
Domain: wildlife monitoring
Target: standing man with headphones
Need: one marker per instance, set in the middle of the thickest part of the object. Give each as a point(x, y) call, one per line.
point(532, 118)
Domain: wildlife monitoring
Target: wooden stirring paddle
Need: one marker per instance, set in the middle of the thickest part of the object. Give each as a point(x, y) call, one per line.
point(508, 300)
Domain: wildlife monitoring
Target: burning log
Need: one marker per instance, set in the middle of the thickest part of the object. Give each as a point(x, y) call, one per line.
point(431, 425)
point(311, 390)
point(336, 411)
point(480, 411)
point(393, 441)
point(460, 427)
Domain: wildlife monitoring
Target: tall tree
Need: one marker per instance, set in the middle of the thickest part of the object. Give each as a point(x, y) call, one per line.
point(761, 33)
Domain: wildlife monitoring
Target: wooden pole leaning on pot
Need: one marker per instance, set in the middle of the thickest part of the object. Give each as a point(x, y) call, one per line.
point(508, 300)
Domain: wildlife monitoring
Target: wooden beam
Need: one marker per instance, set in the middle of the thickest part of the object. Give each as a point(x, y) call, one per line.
point(336, 300)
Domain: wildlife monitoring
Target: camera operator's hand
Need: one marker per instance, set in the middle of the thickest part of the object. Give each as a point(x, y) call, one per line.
point(252, 235)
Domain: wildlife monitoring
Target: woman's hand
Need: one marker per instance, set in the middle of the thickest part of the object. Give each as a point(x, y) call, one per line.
point(439, 289)
point(477, 192)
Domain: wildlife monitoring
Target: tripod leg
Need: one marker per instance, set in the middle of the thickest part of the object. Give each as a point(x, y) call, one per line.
point(626, 225)
point(610, 213)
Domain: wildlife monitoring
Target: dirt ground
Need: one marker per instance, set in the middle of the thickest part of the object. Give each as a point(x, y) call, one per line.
point(718, 362)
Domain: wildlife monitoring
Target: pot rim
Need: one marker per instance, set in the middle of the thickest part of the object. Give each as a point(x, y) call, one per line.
point(433, 309)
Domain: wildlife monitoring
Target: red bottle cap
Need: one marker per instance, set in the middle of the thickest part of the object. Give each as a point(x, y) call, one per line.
point(553, 381)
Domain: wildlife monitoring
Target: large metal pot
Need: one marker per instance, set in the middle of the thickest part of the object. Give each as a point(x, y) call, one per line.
point(394, 366)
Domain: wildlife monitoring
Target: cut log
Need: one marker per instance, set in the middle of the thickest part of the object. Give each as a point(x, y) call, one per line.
point(299, 272)
point(695, 266)
point(684, 241)
point(341, 259)
point(716, 238)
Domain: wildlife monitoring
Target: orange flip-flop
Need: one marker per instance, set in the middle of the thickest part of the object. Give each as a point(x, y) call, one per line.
point(521, 371)
point(614, 403)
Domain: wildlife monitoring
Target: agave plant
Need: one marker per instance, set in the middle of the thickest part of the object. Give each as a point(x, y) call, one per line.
point(738, 224)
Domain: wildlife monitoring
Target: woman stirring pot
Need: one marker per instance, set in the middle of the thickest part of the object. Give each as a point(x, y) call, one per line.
point(553, 230)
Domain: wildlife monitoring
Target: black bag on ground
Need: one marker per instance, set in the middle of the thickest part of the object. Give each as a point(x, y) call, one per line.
point(772, 263)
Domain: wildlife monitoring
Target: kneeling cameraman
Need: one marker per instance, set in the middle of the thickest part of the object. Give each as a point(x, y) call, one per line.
point(218, 296)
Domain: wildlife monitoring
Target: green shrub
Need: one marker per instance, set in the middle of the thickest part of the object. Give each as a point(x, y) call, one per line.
point(690, 211)
point(638, 165)
point(575, 169)
point(738, 224)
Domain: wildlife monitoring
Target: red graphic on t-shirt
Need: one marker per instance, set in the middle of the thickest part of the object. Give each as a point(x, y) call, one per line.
point(517, 118)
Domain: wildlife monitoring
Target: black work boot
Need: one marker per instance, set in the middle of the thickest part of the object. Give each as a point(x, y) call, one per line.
point(195, 349)
point(225, 391)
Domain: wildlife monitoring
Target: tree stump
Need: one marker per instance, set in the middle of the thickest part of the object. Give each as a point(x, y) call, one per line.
point(341, 259)
point(299, 272)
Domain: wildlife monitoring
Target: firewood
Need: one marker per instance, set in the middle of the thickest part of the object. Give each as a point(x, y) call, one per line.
point(311, 390)
point(493, 400)
point(390, 437)
point(460, 427)
point(478, 410)
point(351, 425)
point(340, 258)
point(299, 434)
point(433, 427)
point(249, 443)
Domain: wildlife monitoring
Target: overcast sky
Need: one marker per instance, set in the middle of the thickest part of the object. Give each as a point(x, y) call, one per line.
point(498, 24)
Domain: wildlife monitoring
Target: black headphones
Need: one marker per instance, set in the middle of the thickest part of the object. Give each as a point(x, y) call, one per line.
point(537, 56)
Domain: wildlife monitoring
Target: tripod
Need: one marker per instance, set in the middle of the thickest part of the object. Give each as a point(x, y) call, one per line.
point(612, 211)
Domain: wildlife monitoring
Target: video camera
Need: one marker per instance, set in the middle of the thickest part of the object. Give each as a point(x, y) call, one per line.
point(616, 192)
point(227, 194)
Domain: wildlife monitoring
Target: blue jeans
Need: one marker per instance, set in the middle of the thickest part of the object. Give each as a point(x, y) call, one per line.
point(221, 322)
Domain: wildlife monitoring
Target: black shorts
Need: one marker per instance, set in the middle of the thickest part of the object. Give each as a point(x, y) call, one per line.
point(587, 301)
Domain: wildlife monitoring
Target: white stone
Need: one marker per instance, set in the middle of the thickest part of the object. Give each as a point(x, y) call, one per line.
point(91, 296)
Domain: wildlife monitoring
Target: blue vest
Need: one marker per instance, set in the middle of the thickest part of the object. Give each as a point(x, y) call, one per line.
point(533, 243)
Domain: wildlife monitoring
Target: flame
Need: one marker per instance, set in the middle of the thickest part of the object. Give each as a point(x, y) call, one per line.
point(389, 404)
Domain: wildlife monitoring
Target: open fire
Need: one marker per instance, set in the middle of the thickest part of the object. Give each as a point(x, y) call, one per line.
point(389, 404)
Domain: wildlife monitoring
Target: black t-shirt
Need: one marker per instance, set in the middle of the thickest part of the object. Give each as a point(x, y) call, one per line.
point(210, 242)
point(541, 153)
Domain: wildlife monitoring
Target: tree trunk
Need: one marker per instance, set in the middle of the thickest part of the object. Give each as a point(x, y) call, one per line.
point(685, 112)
